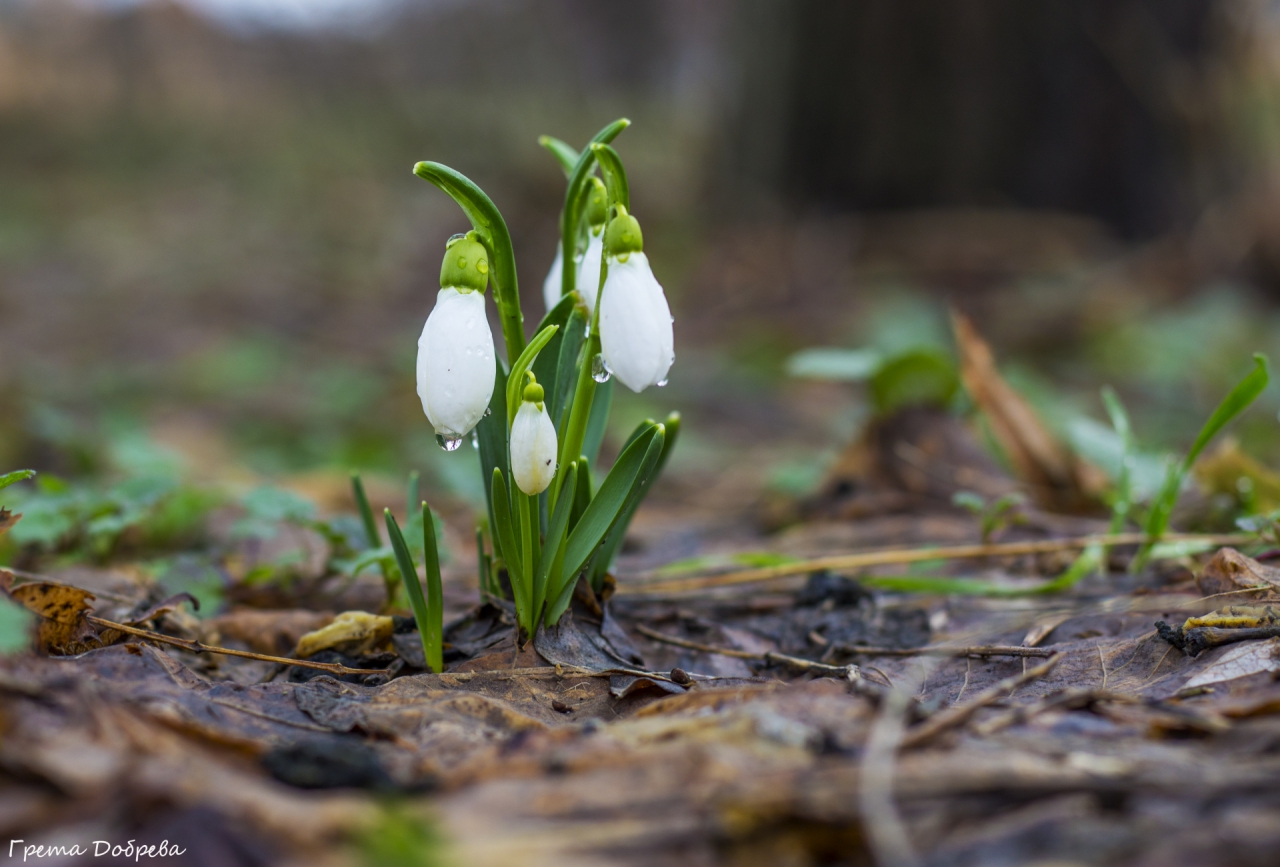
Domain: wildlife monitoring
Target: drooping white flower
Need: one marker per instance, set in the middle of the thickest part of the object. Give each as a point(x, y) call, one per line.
point(636, 335)
point(551, 286)
point(456, 361)
point(589, 271)
point(533, 443)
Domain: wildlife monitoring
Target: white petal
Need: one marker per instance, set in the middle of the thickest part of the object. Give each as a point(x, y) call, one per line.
point(636, 336)
point(551, 286)
point(533, 448)
point(589, 271)
point(456, 363)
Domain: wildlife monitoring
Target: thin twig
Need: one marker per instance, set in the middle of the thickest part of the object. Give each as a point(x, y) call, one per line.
point(912, 555)
point(847, 671)
point(977, 650)
point(960, 714)
point(200, 647)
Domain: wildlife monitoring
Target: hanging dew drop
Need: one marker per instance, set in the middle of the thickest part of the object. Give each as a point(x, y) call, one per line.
point(475, 439)
point(662, 382)
point(600, 371)
point(449, 442)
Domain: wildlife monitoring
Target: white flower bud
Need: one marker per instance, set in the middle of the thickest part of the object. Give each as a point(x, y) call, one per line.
point(551, 286)
point(636, 336)
point(533, 444)
point(456, 363)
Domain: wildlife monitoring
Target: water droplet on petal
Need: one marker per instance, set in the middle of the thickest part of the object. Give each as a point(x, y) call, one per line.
point(600, 371)
point(449, 442)
point(488, 411)
point(458, 237)
point(662, 382)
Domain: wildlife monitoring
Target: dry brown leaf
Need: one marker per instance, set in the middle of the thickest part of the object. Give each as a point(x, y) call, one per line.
point(352, 632)
point(1058, 478)
point(8, 519)
point(1242, 660)
point(1230, 571)
point(63, 629)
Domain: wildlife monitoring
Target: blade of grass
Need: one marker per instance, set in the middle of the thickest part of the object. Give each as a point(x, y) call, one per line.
point(389, 579)
point(1236, 401)
point(411, 584)
point(433, 630)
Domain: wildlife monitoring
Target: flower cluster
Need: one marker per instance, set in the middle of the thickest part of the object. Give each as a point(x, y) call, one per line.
point(539, 417)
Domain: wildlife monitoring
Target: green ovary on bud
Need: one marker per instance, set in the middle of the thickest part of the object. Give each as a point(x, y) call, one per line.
point(466, 265)
point(533, 393)
point(597, 204)
point(623, 237)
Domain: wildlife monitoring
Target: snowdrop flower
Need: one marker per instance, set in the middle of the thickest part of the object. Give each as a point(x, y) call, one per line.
point(589, 271)
point(456, 361)
point(533, 443)
point(587, 274)
point(552, 284)
point(636, 337)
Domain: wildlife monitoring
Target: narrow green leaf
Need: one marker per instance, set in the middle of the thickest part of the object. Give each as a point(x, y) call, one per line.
point(615, 175)
point(433, 630)
point(412, 586)
point(553, 549)
point(492, 229)
point(598, 420)
point(609, 548)
point(582, 493)
point(1124, 486)
point(652, 455)
point(1236, 401)
point(414, 492)
point(491, 434)
point(366, 512)
point(504, 542)
point(546, 367)
point(16, 476)
point(515, 381)
point(371, 533)
point(565, 155)
point(571, 214)
point(607, 505)
point(571, 339)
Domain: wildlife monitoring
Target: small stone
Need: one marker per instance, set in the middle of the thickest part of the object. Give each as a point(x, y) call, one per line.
point(560, 707)
point(680, 676)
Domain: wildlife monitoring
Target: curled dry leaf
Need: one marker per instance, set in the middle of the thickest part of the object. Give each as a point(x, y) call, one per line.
point(62, 628)
point(1230, 571)
point(352, 632)
point(8, 519)
point(1057, 477)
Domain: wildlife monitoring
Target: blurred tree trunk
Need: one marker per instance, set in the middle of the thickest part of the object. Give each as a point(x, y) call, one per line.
point(1091, 106)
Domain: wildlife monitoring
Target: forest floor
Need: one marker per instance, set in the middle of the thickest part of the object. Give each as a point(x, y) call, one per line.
point(736, 709)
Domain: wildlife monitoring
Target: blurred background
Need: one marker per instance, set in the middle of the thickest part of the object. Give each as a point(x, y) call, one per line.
point(215, 261)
